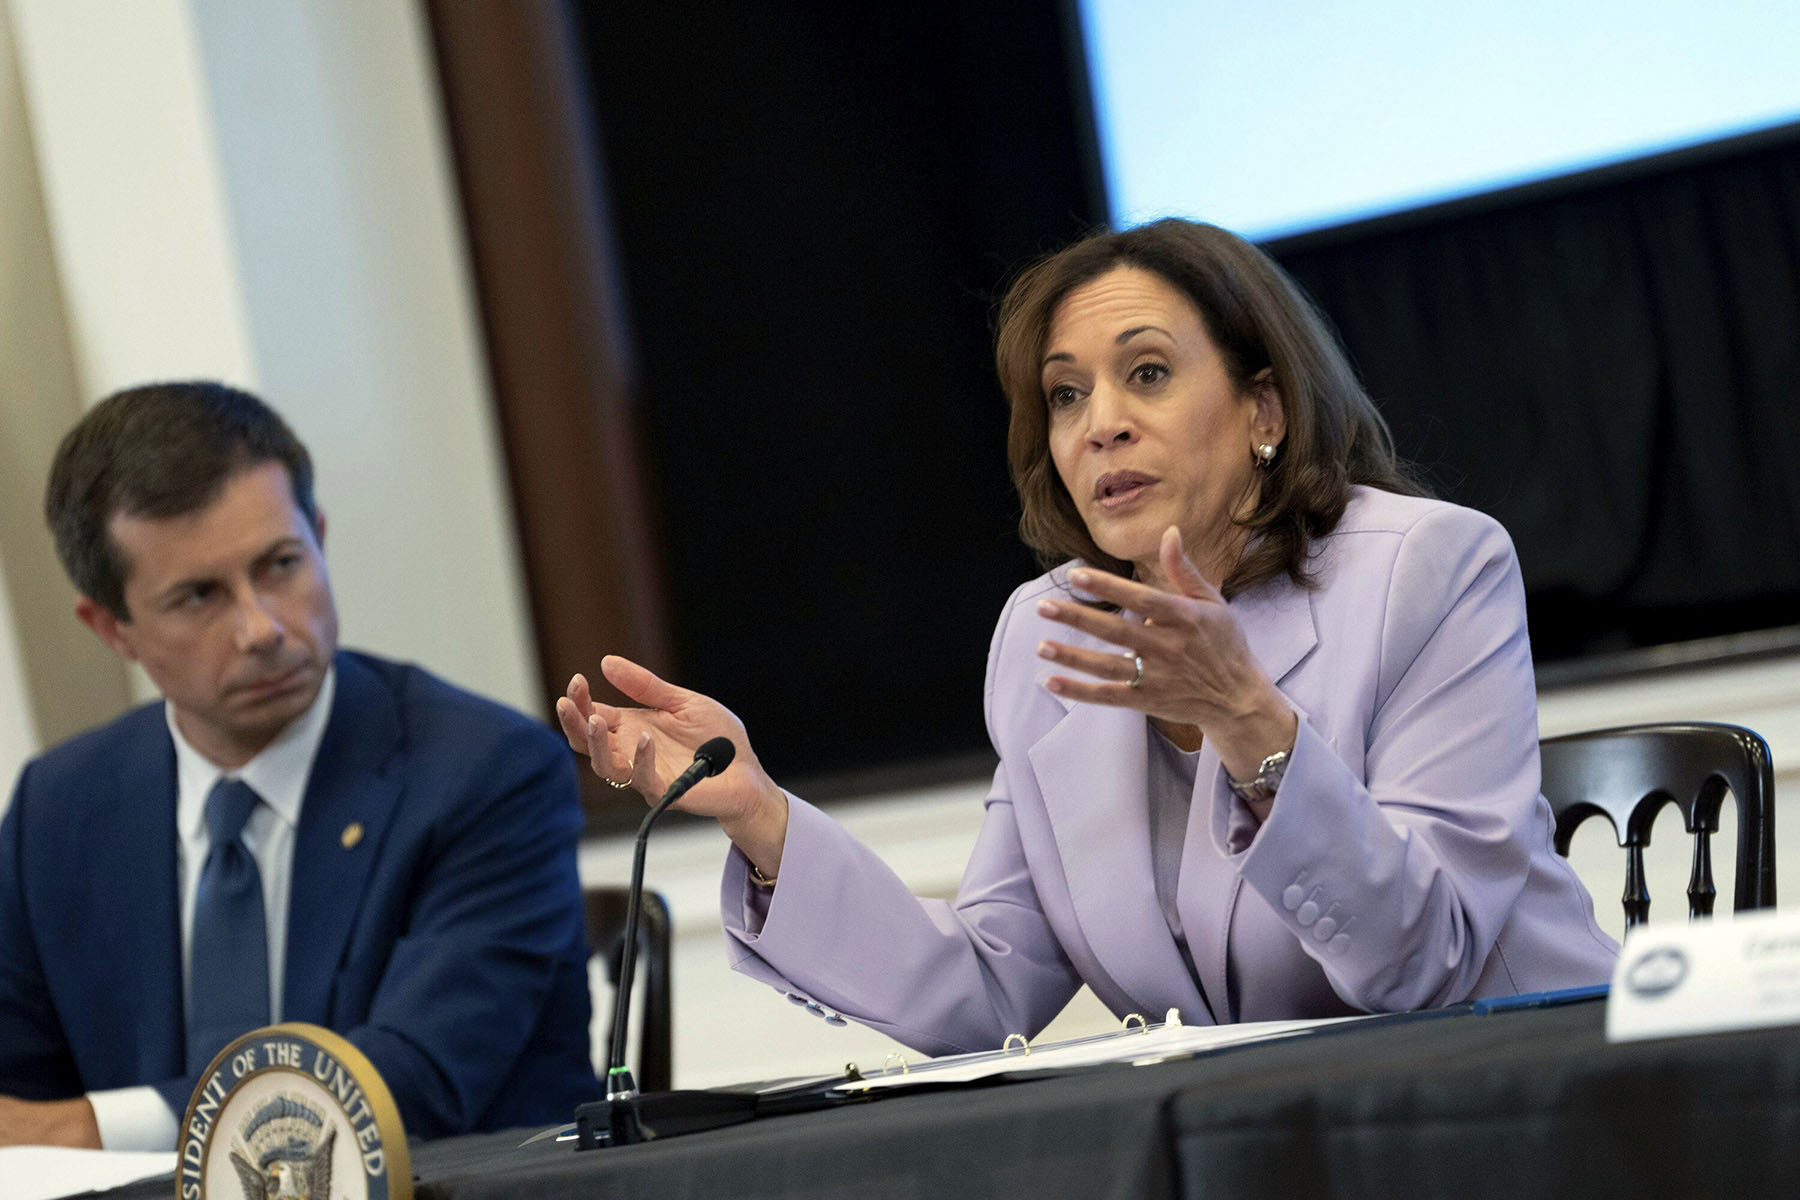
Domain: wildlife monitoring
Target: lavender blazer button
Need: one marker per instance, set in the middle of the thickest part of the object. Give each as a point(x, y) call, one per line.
point(1291, 898)
point(1307, 913)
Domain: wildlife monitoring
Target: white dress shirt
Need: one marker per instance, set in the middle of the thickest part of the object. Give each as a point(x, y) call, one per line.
point(136, 1118)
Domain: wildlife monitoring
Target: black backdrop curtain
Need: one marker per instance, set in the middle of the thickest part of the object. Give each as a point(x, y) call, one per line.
point(814, 207)
point(1609, 365)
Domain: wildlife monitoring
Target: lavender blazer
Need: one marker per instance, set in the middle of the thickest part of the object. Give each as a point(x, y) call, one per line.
point(1407, 861)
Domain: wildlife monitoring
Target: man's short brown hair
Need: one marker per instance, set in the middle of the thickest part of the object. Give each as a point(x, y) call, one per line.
point(160, 450)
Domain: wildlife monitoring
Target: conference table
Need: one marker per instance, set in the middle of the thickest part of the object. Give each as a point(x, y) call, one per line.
point(1531, 1102)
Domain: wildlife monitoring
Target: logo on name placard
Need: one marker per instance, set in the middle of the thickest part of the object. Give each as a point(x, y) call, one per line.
point(1656, 972)
point(292, 1112)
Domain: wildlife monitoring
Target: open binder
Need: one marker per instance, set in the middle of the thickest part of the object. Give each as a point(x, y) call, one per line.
point(1136, 1043)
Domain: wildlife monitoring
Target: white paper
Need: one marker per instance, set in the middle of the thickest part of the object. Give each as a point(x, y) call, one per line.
point(47, 1172)
point(1732, 972)
point(1138, 1047)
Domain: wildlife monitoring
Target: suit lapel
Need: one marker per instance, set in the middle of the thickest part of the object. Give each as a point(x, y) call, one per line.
point(1277, 622)
point(1091, 768)
point(356, 780)
point(140, 859)
point(1208, 892)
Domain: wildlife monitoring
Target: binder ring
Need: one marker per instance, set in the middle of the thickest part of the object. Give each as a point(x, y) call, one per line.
point(1125, 1025)
point(1006, 1047)
point(893, 1056)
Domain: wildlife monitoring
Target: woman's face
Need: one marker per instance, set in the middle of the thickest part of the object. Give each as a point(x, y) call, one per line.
point(1146, 428)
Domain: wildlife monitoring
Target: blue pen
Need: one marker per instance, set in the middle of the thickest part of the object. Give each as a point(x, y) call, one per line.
point(1576, 995)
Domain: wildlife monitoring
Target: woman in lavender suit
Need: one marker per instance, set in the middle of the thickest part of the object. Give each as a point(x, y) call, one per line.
point(1267, 736)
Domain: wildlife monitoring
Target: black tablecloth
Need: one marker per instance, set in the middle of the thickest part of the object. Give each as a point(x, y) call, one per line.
point(1516, 1104)
point(1526, 1103)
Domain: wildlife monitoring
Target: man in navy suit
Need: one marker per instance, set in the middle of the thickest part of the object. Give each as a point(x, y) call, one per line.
point(398, 862)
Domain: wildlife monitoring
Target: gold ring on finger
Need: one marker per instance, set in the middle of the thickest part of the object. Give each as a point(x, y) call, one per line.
point(616, 785)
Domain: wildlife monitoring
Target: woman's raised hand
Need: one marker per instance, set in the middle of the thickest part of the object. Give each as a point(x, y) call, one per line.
point(646, 747)
point(1197, 668)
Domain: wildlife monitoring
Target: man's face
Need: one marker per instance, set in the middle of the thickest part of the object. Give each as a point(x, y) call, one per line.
point(230, 612)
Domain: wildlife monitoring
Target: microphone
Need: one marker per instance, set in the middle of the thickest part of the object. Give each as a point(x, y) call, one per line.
point(619, 1113)
point(713, 756)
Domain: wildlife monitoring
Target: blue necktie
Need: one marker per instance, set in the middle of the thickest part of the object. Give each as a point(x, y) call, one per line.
point(228, 971)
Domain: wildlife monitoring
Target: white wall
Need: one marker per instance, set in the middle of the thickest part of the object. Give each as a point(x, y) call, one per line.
point(131, 180)
point(260, 192)
point(363, 323)
point(18, 732)
point(70, 680)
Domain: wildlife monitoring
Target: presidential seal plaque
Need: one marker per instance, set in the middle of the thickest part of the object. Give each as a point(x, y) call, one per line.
point(292, 1112)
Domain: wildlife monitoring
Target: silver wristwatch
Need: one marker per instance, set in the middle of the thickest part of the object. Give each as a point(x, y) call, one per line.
point(1268, 778)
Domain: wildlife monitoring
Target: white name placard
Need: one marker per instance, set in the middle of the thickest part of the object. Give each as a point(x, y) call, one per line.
point(1739, 972)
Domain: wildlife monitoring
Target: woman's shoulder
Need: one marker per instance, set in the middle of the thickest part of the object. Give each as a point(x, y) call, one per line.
point(1020, 622)
point(1373, 511)
point(1387, 540)
point(1013, 667)
point(1053, 581)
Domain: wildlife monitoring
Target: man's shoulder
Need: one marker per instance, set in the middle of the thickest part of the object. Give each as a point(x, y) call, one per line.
point(139, 733)
point(457, 752)
point(430, 707)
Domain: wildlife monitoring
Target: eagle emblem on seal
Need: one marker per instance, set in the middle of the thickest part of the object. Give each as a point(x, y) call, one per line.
point(284, 1152)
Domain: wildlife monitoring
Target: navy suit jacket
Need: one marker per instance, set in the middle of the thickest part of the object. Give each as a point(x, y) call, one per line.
point(446, 943)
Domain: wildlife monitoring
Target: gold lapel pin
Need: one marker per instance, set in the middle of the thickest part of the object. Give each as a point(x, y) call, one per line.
point(352, 834)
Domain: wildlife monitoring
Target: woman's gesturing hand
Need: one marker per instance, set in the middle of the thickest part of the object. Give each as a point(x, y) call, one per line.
point(1197, 668)
point(645, 748)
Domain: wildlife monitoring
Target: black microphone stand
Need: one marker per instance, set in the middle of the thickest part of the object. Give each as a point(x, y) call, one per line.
point(627, 1116)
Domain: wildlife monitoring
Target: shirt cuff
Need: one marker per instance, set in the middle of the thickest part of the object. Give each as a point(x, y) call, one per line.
point(133, 1118)
point(753, 899)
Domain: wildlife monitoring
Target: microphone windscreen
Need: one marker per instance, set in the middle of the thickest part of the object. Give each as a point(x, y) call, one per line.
point(717, 753)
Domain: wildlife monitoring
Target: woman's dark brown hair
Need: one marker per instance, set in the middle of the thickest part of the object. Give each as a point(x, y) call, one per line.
point(1258, 318)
